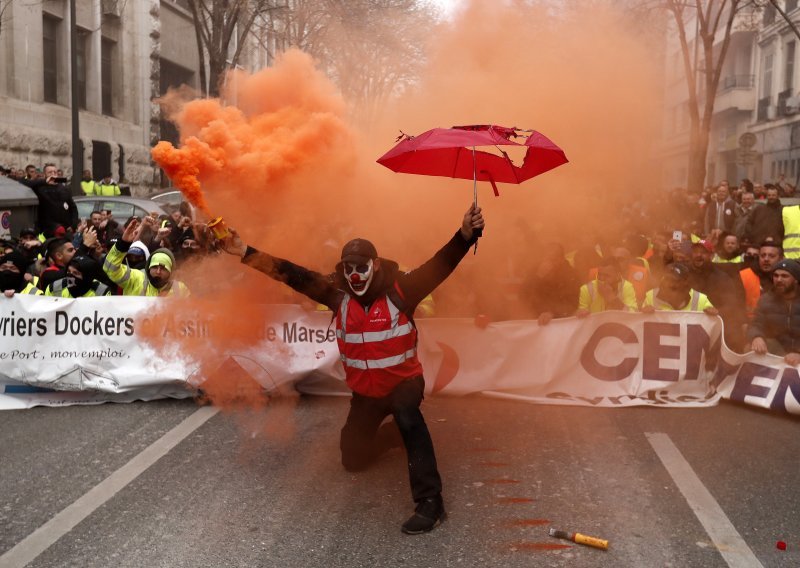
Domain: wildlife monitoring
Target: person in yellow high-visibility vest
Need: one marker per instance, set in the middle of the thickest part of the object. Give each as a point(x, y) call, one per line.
point(88, 185)
point(791, 231)
point(109, 187)
point(609, 291)
point(674, 294)
point(728, 249)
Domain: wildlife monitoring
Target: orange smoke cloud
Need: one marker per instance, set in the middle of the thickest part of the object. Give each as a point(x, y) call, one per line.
point(278, 157)
point(239, 152)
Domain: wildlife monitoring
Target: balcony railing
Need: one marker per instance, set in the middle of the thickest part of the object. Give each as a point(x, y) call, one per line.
point(737, 82)
point(763, 105)
point(782, 96)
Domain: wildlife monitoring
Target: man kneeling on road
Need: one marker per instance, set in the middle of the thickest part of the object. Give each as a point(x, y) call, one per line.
point(776, 323)
point(374, 304)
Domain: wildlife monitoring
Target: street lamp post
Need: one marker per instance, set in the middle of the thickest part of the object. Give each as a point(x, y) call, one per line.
point(77, 150)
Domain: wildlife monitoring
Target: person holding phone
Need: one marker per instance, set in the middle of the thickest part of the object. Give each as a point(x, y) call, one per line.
point(56, 206)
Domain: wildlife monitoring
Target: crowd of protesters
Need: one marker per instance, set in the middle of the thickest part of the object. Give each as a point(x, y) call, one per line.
point(71, 257)
point(728, 251)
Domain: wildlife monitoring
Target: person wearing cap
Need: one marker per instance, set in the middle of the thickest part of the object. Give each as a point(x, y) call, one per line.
point(29, 245)
point(675, 294)
point(155, 280)
point(80, 281)
point(776, 324)
point(373, 304)
point(137, 255)
point(12, 275)
point(609, 291)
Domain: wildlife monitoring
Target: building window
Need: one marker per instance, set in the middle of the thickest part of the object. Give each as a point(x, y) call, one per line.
point(81, 70)
point(790, 5)
point(774, 169)
point(50, 58)
point(789, 71)
point(106, 77)
point(766, 87)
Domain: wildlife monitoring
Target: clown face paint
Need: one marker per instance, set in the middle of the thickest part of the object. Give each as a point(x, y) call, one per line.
point(359, 276)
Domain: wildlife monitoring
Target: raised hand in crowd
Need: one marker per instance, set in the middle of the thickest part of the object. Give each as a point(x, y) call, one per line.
point(147, 229)
point(131, 232)
point(90, 238)
point(163, 234)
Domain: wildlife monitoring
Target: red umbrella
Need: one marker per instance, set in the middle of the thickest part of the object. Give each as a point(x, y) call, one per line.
point(450, 152)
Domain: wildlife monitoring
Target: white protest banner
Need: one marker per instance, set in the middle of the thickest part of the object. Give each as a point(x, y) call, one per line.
point(90, 348)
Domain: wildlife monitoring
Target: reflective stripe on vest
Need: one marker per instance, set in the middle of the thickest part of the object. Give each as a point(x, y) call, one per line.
point(58, 286)
point(695, 300)
point(110, 266)
point(30, 289)
point(384, 363)
point(791, 236)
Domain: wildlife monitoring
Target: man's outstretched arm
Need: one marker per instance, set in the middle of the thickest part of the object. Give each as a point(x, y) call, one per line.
point(316, 286)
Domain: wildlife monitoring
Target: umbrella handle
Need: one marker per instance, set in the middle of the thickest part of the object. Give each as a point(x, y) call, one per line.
point(479, 232)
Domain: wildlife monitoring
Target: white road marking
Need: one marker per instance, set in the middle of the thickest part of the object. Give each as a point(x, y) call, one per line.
point(45, 536)
point(723, 534)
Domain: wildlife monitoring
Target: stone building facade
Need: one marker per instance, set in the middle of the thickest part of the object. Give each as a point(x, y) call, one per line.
point(129, 54)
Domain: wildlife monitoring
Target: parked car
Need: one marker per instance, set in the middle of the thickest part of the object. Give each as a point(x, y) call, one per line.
point(121, 207)
point(172, 199)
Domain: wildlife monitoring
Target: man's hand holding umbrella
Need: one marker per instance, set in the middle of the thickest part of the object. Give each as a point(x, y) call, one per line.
point(473, 220)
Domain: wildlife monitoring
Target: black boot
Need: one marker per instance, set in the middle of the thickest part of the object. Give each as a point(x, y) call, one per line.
point(428, 515)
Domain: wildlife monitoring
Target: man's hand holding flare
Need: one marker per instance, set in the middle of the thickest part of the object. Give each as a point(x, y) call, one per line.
point(233, 244)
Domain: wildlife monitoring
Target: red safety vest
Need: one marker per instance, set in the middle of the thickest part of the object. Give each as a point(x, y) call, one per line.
point(378, 348)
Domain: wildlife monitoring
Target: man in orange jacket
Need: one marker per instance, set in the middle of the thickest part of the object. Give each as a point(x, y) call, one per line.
point(757, 280)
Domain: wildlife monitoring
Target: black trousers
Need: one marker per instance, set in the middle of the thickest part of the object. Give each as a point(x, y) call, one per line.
point(361, 442)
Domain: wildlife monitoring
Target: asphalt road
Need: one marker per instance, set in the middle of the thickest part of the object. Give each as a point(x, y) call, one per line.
point(709, 488)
